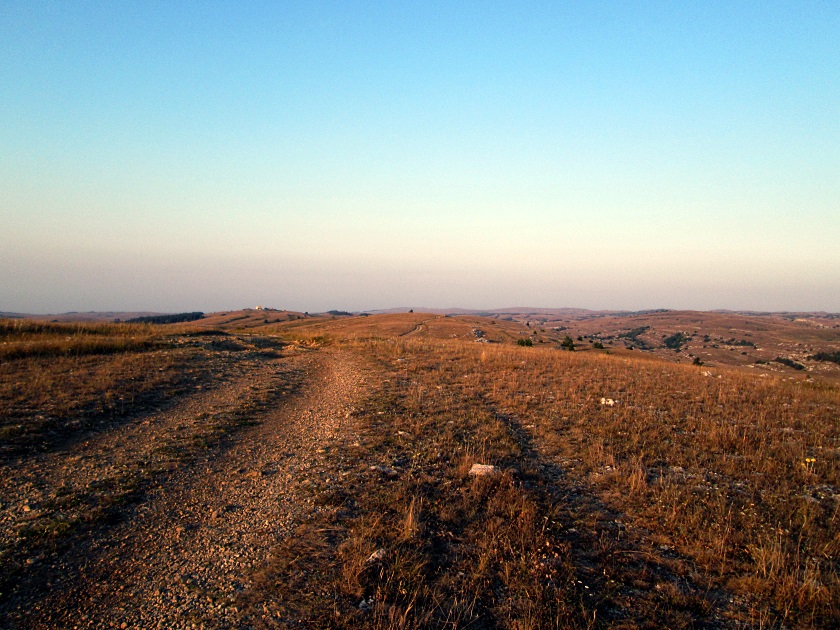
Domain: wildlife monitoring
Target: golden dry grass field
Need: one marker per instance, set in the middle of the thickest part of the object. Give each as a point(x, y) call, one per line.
point(630, 490)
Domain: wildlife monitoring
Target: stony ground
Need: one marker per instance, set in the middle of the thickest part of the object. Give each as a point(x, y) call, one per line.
point(192, 515)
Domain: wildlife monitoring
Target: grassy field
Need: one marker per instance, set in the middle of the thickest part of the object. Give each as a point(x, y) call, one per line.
point(630, 491)
point(694, 498)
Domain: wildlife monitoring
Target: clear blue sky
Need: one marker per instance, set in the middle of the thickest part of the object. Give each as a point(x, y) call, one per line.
point(199, 156)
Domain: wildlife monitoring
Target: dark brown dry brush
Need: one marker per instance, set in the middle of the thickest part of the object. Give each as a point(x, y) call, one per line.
point(59, 380)
point(44, 400)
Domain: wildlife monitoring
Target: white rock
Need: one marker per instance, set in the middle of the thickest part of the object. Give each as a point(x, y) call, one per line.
point(484, 470)
point(385, 470)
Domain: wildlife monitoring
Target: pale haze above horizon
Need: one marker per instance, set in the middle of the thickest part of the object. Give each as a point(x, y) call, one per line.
point(188, 156)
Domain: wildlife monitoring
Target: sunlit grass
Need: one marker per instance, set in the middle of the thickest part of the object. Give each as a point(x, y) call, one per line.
point(29, 338)
point(720, 479)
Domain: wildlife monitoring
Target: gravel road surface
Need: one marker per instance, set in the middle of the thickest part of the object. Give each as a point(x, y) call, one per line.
point(180, 556)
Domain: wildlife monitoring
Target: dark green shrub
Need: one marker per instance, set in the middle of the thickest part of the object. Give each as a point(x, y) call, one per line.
point(789, 363)
point(175, 318)
point(675, 341)
point(833, 357)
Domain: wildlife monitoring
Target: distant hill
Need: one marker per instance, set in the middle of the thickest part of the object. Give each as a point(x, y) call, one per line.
point(786, 314)
point(518, 312)
point(88, 316)
point(249, 318)
point(528, 312)
point(522, 313)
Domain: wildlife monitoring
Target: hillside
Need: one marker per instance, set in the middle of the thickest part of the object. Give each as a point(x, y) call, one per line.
point(319, 471)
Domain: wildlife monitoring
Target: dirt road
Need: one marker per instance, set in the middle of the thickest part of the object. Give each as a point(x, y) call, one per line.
point(180, 556)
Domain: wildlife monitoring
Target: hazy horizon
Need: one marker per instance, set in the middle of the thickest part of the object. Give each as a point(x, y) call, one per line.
point(321, 155)
point(414, 308)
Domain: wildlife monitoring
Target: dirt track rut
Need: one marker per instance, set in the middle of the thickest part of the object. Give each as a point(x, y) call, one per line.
point(187, 550)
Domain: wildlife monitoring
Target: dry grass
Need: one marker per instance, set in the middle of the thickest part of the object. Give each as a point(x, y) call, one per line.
point(701, 497)
point(46, 399)
point(693, 500)
point(28, 338)
point(727, 471)
point(58, 379)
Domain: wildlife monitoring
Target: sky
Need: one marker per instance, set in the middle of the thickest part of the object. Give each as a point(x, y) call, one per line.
point(187, 156)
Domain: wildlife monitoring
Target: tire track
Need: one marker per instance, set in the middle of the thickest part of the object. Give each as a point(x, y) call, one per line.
point(188, 551)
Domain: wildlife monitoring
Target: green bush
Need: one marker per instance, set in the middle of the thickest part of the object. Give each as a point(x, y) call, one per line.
point(675, 341)
point(789, 363)
point(175, 318)
point(833, 357)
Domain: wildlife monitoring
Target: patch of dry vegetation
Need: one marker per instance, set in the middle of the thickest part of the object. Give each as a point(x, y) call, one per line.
point(63, 379)
point(691, 500)
point(42, 397)
point(30, 338)
point(57, 379)
point(737, 475)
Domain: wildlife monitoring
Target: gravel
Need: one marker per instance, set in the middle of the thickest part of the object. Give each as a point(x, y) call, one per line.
point(199, 525)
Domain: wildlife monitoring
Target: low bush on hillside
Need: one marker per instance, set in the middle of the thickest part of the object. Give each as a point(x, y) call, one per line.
point(790, 363)
point(633, 334)
point(676, 341)
point(833, 357)
point(174, 318)
point(739, 342)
